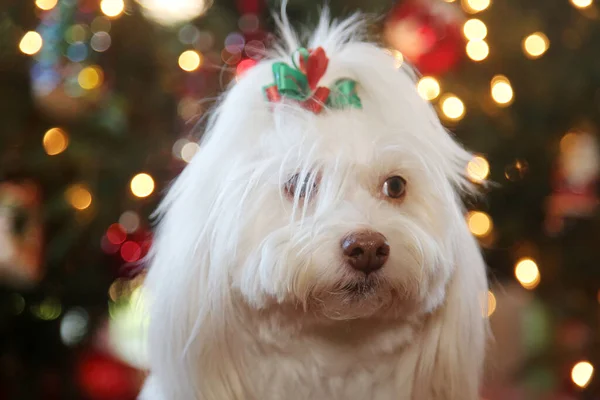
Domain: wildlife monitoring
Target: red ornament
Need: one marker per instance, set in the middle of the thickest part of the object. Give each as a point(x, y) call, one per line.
point(102, 377)
point(427, 33)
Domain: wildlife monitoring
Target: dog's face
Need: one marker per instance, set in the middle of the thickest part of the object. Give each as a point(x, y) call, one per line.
point(342, 219)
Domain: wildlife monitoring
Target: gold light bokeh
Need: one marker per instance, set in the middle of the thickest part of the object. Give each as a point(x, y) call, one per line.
point(582, 373)
point(190, 60)
point(142, 185)
point(453, 107)
point(501, 90)
point(475, 29)
point(535, 45)
point(477, 50)
point(31, 43)
point(478, 169)
point(90, 77)
point(582, 3)
point(527, 273)
point(189, 150)
point(55, 141)
point(79, 196)
point(480, 224)
point(46, 4)
point(475, 6)
point(428, 88)
point(112, 8)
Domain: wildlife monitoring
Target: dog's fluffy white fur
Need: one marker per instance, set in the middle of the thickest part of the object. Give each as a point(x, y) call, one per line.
point(249, 291)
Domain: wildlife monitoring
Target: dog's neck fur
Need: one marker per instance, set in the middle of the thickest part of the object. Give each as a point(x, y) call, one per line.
point(275, 355)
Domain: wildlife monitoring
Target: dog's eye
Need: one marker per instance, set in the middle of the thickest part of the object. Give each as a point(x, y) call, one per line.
point(394, 187)
point(294, 187)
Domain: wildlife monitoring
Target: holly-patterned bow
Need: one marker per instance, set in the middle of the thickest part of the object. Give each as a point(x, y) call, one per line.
point(300, 83)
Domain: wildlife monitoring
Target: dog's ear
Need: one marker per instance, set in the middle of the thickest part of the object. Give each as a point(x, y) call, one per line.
point(187, 294)
point(453, 342)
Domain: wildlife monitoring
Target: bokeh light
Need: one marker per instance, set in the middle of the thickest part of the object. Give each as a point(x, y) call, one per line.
point(49, 309)
point(244, 66)
point(582, 373)
point(172, 12)
point(78, 196)
point(130, 221)
point(46, 4)
point(31, 43)
point(100, 24)
point(475, 6)
point(480, 224)
point(478, 169)
point(100, 41)
point(55, 141)
point(398, 57)
point(501, 90)
point(491, 303)
point(142, 185)
point(190, 60)
point(116, 234)
point(131, 251)
point(74, 326)
point(527, 273)
point(477, 50)
point(535, 45)
point(475, 29)
point(112, 8)
point(428, 88)
point(90, 77)
point(189, 150)
point(452, 107)
point(582, 3)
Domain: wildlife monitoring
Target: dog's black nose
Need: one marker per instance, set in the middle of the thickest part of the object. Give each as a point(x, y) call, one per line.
point(365, 251)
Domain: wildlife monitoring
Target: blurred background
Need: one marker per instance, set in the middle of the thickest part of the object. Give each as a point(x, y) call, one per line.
point(101, 104)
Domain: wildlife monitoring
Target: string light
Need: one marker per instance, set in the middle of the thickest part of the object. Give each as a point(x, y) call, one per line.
point(397, 56)
point(90, 77)
point(475, 29)
point(491, 303)
point(475, 6)
point(527, 273)
point(501, 90)
point(428, 87)
point(78, 196)
point(142, 185)
point(477, 50)
point(582, 3)
point(112, 8)
point(478, 169)
point(453, 107)
point(535, 45)
point(46, 4)
point(190, 60)
point(31, 43)
point(55, 141)
point(480, 224)
point(582, 373)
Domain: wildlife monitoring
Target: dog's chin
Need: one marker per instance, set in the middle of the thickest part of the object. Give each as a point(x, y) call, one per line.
point(359, 298)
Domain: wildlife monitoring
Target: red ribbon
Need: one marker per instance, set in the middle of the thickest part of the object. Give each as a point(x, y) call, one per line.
point(314, 66)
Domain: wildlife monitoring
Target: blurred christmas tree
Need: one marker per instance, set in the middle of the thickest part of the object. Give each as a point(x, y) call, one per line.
point(99, 103)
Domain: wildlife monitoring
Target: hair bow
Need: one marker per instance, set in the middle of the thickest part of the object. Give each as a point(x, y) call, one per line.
point(300, 83)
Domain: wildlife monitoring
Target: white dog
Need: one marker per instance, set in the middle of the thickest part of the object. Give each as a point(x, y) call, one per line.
point(308, 255)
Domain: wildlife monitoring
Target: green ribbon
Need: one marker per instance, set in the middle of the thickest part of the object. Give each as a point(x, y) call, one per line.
point(343, 95)
point(291, 82)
